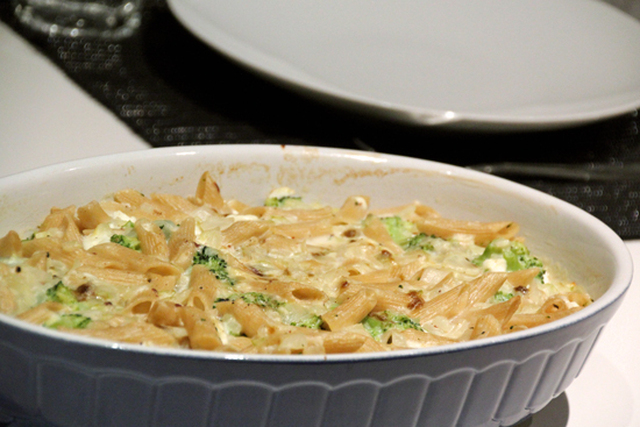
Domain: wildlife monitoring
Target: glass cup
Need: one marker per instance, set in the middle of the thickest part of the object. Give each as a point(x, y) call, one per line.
point(110, 19)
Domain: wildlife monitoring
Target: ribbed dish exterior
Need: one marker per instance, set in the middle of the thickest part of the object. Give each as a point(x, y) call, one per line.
point(65, 393)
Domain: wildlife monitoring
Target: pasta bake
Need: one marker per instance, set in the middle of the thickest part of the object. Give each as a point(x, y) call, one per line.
point(290, 276)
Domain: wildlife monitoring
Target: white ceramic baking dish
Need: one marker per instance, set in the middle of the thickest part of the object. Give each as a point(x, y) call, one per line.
point(74, 381)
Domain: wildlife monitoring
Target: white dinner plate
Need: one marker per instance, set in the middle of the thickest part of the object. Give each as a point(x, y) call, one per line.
point(490, 64)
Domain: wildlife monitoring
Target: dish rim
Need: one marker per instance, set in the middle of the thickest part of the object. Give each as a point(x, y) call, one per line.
point(621, 279)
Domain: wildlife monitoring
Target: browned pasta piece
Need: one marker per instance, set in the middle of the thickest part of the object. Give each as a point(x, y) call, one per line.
point(425, 211)
point(351, 311)
point(291, 291)
point(134, 332)
point(10, 245)
point(529, 320)
point(68, 254)
point(279, 243)
point(486, 326)
point(152, 240)
point(57, 218)
point(39, 260)
point(208, 193)
point(301, 215)
point(353, 209)
point(91, 215)
point(374, 229)
point(431, 277)
point(502, 312)
point(180, 207)
point(343, 342)
point(438, 306)
point(142, 301)
point(201, 330)
point(8, 304)
point(484, 232)
point(64, 221)
point(165, 313)
point(370, 345)
point(486, 286)
point(251, 317)
point(241, 231)
point(161, 283)
point(389, 296)
point(258, 211)
point(129, 198)
point(182, 245)
point(130, 279)
point(248, 271)
point(304, 229)
point(393, 273)
point(203, 288)
point(134, 260)
point(522, 278)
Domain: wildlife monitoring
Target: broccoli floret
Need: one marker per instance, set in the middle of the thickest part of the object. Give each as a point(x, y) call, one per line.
point(62, 294)
point(420, 241)
point(283, 202)
point(491, 249)
point(401, 230)
point(262, 300)
point(73, 321)
point(379, 323)
point(214, 262)
point(312, 322)
point(515, 254)
point(502, 296)
point(126, 241)
point(519, 258)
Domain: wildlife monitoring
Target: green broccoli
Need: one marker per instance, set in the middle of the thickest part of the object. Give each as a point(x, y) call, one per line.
point(126, 241)
point(72, 321)
point(401, 230)
point(514, 253)
point(379, 323)
point(259, 299)
point(211, 258)
point(312, 322)
point(420, 241)
point(62, 294)
point(502, 296)
point(283, 202)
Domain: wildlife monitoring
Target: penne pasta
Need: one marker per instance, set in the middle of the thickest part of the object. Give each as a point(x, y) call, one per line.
point(289, 277)
point(152, 240)
point(351, 311)
point(201, 331)
point(10, 245)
